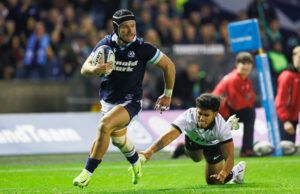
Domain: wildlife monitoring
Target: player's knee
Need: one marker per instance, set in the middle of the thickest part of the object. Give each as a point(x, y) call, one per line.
point(211, 181)
point(118, 141)
point(105, 126)
point(196, 158)
point(102, 128)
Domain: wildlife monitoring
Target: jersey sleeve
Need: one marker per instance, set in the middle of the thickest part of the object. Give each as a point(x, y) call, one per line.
point(181, 122)
point(224, 131)
point(151, 54)
point(104, 41)
point(221, 90)
point(283, 96)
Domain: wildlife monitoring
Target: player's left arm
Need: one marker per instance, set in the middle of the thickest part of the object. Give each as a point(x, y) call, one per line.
point(227, 150)
point(168, 68)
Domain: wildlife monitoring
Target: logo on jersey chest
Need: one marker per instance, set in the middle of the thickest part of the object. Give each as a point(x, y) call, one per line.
point(204, 136)
point(125, 66)
point(131, 54)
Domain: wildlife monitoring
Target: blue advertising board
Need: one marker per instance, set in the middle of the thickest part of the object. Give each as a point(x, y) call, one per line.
point(244, 35)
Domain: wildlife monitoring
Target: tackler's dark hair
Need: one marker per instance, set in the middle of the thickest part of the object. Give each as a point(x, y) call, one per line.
point(208, 101)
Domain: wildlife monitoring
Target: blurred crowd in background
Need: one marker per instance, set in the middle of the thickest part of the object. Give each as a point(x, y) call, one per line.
point(49, 40)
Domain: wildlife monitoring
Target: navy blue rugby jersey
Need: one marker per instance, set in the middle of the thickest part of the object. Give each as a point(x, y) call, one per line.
point(125, 81)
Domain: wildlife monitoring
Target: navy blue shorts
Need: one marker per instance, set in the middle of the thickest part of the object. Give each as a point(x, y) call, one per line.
point(133, 107)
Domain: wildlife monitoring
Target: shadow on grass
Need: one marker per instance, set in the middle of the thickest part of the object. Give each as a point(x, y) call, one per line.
point(227, 188)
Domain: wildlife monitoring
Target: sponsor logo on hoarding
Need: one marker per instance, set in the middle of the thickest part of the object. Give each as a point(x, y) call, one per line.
point(31, 134)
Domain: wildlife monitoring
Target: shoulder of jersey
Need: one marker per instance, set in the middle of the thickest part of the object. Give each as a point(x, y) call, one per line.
point(108, 38)
point(192, 109)
point(140, 40)
point(231, 76)
point(190, 113)
point(287, 72)
point(220, 118)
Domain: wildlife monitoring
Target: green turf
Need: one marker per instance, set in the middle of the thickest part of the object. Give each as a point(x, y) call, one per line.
point(54, 174)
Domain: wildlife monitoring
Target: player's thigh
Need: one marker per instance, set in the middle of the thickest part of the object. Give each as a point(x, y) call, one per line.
point(214, 160)
point(117, 118)
point(193, 149)
point(195, 155)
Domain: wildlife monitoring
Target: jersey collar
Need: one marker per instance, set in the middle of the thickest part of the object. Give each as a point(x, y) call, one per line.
point(115, 39)
point(211, 126)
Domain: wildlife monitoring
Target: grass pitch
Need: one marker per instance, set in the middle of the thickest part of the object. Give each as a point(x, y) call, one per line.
point(54, 174)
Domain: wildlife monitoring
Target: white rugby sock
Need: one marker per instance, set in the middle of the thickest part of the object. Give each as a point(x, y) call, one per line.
point(126, 147)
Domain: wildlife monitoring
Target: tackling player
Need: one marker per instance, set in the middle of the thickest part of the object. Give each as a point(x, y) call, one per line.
point(121, 92)
point(208, 136)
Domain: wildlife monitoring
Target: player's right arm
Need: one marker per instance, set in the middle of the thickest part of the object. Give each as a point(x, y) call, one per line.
point(88, 69)
point(162, 142)
point(179, 125)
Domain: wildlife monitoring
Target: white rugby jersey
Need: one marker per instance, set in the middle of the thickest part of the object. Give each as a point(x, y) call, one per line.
point(187, 123)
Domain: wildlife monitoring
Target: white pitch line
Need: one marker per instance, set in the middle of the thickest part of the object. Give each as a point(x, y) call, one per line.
point(122, 167)
point(73, 169)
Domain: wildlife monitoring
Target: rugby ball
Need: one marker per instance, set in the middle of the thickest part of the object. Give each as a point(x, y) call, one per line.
point(263, 148)
point(288, 147)
point(104, 54)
